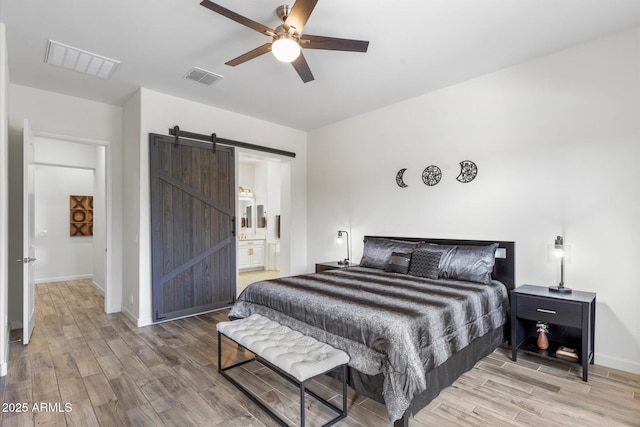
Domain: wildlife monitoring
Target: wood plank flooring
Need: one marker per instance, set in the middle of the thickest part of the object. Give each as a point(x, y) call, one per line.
point(110, 373)
point(248, 277)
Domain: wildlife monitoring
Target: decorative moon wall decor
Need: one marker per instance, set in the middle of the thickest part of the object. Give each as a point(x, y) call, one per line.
point(431, 175)
point(468, 171)
point(400, 178)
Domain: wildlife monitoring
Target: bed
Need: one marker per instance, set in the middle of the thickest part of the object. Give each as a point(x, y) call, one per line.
point(415, 315)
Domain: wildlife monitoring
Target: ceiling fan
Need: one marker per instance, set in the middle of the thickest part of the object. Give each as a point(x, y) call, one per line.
point(287, 39)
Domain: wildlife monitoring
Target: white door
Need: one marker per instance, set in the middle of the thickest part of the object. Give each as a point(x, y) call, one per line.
point(28, 232)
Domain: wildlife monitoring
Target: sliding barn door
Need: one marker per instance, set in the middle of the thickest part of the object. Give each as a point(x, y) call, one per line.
point(192, 226)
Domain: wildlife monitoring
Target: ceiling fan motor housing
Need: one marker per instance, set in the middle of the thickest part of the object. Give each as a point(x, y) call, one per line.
point(283, 12)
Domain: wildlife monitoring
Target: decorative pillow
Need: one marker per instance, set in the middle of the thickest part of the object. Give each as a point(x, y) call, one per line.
point(471, 263)
point(398, 263)
point(425, 263)
point(447, 252)
point(377, 251)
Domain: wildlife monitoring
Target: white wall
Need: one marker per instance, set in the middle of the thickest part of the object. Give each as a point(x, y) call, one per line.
point(272, 206)
point(131, 213)
point(77, 118)
point(158, 113)
point(60, 256)
point(4, 209)
point(556, 141)
point(100, 220)
point(49, 151)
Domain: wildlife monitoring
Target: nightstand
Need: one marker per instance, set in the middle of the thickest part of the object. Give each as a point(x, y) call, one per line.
point(571, 318)
point(331, 265)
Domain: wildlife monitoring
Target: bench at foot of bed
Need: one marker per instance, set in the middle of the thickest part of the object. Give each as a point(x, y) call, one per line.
point(296, 357)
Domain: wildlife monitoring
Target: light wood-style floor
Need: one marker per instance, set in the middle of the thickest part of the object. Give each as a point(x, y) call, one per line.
point(248, 277)
point(113, 373)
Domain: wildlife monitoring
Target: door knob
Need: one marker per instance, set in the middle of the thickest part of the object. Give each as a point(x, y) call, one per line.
point(26, 260)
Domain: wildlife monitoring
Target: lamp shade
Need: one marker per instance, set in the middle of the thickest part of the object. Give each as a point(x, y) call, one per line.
point(285, 48)
point(340, 234)
point(558, 246)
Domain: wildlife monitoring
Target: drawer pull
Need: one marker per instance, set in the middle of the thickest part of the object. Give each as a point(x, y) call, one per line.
point(543, 310)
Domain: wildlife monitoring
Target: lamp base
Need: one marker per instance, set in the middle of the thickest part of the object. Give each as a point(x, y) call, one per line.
point(343, 262)
point(560, 289)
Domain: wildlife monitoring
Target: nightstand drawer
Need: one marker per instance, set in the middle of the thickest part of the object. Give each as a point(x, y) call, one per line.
point(558, 312)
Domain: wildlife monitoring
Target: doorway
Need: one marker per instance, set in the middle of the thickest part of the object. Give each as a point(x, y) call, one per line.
point(261, 184)
point(70, 227)
point(60, 153)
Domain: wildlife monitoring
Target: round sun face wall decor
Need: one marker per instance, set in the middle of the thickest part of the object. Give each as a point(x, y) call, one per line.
point(431, 175)
point(400, 178)
point(468, 171)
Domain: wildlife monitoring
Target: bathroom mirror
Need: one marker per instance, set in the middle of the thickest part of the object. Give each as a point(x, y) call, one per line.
point(249, 212)
point(261, 219)
point(246, 209)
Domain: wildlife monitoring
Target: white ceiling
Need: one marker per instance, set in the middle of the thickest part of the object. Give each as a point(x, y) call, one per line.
point(416, 46)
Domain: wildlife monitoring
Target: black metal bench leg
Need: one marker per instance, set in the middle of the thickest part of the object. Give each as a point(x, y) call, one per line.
point(302, 411)
point(219, 353)
point(402, 422)
point(344, 390)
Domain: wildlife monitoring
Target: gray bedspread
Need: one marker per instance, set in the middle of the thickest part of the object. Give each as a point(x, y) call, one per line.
point(399, 325)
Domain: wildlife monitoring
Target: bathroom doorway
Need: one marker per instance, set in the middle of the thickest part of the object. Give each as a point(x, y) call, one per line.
point(259, 226)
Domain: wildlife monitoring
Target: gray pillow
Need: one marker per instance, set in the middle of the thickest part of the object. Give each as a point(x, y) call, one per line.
point(377, 251)
point(398, 263)
point(425, 263)
point(471, 263)
point(447, 252)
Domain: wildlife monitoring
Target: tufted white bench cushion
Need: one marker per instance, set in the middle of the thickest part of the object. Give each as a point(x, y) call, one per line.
point(300, 356)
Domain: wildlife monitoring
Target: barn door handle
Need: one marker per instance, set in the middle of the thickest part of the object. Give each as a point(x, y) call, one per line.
point(233, 226)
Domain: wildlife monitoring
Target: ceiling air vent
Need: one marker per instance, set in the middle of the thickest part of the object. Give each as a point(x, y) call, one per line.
point(80, 60)
point(202, 76)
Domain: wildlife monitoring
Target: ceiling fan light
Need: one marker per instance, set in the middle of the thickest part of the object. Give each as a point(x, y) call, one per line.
point(285, 48)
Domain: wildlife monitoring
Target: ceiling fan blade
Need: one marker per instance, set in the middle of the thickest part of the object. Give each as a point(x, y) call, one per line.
point(299, 15)
point(238, 18)
point(302, 68)
point(250, 55)
point(331, 43)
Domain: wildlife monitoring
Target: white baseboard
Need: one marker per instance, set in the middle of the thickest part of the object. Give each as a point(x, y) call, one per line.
point(98, 287)
point(114, 309)
point(64, 278)
point(145, 322)
point(130, 316)
point(617, 363)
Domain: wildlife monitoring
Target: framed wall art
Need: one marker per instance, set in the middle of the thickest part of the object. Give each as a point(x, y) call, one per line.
point(81, 216)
